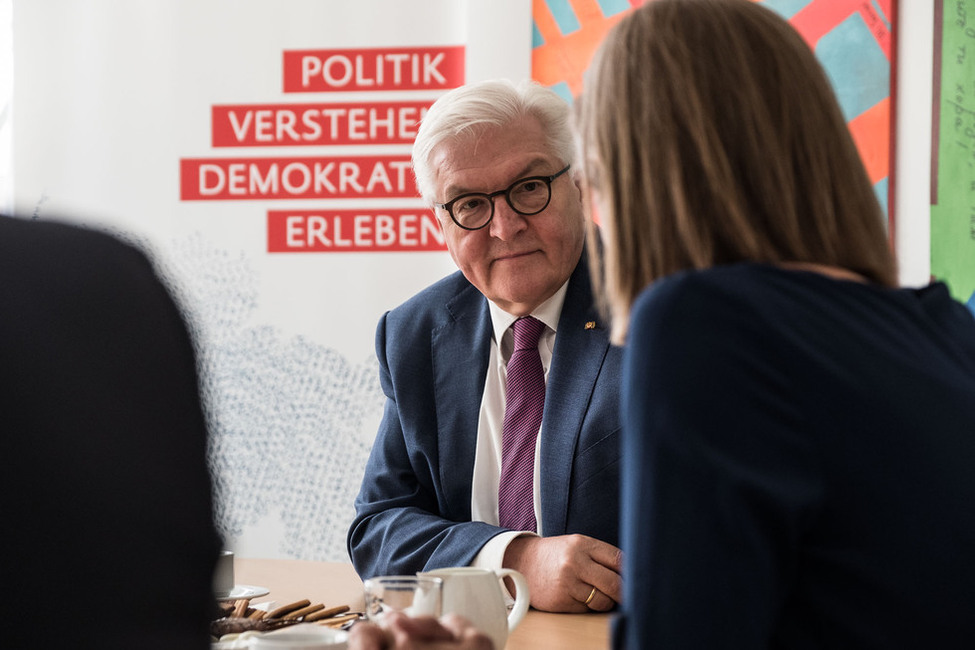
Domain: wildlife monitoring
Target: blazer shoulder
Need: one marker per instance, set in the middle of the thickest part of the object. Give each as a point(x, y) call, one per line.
point(438, 303)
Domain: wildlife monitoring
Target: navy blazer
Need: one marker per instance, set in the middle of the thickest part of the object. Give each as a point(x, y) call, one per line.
point(413, 511)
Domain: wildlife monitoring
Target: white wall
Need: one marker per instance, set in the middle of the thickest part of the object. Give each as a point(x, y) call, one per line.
point(912, 181)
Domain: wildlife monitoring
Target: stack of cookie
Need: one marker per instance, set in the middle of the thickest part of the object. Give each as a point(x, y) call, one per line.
point(239, 616)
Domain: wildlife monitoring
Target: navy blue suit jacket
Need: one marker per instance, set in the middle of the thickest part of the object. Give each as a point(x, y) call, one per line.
point(413, 511)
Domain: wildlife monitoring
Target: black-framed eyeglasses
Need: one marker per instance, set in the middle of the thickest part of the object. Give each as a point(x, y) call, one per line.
point(526, 196)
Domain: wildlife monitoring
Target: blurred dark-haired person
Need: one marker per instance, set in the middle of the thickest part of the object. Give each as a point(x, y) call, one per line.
point(108, 531)
point(799, 432)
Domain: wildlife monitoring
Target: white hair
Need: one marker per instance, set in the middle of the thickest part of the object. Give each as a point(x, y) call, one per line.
point(469, 109)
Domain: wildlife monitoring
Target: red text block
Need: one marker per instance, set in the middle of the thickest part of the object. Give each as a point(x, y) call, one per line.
point(296, 178)
point(316, 124)
point(343, 231)
point(418, 68)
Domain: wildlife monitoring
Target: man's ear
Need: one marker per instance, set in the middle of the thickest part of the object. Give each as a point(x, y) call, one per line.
point(577, 181)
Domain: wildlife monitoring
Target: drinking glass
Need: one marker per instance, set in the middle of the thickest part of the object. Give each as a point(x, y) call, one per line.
point(409, 595)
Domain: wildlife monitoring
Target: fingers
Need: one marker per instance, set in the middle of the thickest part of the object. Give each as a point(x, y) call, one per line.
point(367, 636)
point(607, 555)
point(420, 633)
point(562, 570)
point(426, 628)
point(607, 582)
point(467, 636)
point(603, 574)
point(458, 625)
point(597, 601)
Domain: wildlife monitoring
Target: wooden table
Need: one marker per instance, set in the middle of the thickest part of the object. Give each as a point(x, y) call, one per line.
point(336, 583)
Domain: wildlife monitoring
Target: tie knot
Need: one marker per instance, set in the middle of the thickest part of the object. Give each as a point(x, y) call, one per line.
point(527, 331)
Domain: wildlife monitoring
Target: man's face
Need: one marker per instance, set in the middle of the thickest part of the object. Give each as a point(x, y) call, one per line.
point(516, 261)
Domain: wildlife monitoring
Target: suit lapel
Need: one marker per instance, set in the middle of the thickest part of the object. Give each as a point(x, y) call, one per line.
point(460, 357)
point(581, 345)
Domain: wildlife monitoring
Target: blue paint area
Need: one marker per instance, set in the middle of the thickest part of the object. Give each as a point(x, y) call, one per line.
point(537, 39)
point(880, 189)
point(613, 7)
point(786, 8)
point(562, 88)
point(971, 303)
point(860, 80)
point(880, 12)
point(564, 16)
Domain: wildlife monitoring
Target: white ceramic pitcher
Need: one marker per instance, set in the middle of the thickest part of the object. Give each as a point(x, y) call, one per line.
point(478, 595)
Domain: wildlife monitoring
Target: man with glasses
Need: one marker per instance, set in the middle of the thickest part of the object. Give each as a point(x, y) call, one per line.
point(498, 444)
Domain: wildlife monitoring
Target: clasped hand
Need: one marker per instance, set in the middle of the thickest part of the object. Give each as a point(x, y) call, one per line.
point(568, 573)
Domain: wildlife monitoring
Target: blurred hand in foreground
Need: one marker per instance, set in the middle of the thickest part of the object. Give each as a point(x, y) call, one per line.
point(401, 632)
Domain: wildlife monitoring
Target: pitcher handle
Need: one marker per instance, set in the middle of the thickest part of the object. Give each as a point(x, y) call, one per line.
point(522, 597)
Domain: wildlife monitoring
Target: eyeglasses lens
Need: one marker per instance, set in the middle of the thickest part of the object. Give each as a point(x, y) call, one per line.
point(529, 196)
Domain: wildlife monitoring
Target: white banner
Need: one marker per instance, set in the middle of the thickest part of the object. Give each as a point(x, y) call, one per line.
point(260, 150)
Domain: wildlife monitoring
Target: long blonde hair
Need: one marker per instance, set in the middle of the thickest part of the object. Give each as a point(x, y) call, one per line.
point(711, 135)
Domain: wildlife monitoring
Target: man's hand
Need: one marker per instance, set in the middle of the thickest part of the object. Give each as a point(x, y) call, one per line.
point(563, 571)
point(422, 633)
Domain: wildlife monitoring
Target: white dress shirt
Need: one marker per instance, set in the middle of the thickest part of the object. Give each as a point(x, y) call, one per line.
point(487, 457)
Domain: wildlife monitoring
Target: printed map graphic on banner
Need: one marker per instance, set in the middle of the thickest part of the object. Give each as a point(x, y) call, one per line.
point(851, 38)
point(953, 176)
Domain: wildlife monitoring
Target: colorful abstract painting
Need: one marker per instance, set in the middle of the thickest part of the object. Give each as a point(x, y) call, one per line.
point(953, 149)
point(853, 39)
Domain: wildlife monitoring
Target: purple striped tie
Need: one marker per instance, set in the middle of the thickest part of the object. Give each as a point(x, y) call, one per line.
point(524, 400)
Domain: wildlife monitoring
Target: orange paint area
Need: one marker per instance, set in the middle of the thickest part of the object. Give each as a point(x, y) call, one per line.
point(565, 58)
point(871, 133)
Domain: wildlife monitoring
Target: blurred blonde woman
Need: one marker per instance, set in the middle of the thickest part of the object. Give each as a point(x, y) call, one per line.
point(799, 433)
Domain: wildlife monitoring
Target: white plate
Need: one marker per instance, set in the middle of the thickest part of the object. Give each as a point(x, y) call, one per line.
point(243, 591)
point(324, 637)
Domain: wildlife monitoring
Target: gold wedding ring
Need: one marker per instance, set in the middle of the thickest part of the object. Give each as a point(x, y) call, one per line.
point(592, 595)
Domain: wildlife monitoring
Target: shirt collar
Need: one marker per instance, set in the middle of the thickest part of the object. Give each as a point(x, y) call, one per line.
point(548, 312)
